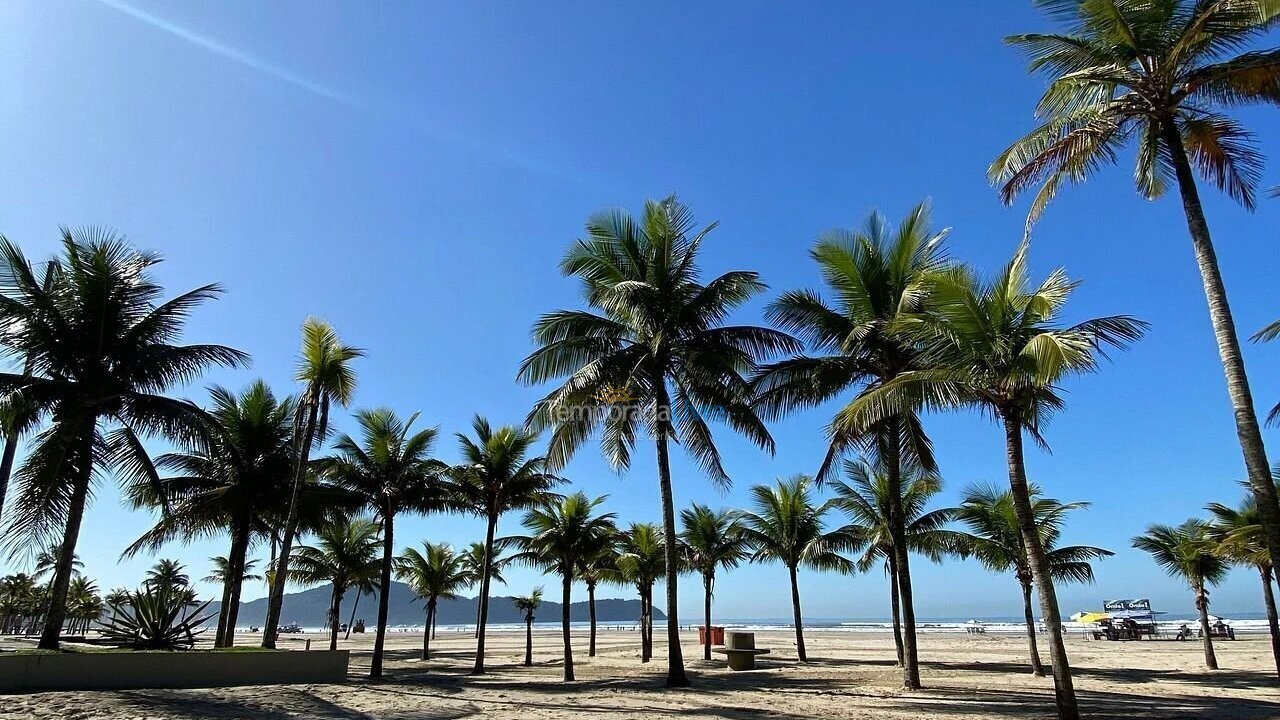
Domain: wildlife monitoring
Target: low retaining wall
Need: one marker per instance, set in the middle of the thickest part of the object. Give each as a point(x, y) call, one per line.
point(137, 670)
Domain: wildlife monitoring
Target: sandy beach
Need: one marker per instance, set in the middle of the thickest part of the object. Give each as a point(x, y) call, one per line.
point(850, 675)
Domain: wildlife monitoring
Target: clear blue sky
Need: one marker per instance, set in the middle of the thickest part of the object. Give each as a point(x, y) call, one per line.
point(413, 173)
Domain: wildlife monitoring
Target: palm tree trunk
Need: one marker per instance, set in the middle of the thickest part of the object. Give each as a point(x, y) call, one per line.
point(57, 612)
point(335, 610)
point(676, 676)
point(352, 621)
point(1224, 330)
point(646, 624)
point(426, 631)
point(220, 637)
point(1202, 606)
point(482, 617)
point(708, 581)
point(276, 600)
point(591, 612)
point(1064, 689)
point(10, 447)
point(1028, 615)
point(894, 605)
point(795, 610)
point(384, 594)
point(566, 593)
point(902, 562)
point(1269, 599)
point(236, 562)
point(528, 639)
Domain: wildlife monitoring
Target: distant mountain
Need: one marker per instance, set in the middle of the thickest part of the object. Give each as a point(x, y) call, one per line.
point(309, 608)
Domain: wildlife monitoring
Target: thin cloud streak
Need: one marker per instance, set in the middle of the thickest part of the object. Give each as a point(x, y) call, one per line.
point(302, 82)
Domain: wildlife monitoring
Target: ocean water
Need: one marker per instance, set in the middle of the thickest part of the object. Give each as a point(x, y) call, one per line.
point(1244, 623)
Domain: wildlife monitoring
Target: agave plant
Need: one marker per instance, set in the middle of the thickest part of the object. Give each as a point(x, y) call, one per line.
point(157, 617)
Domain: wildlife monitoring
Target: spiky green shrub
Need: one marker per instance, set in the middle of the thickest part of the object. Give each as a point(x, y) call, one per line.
point(157, 617)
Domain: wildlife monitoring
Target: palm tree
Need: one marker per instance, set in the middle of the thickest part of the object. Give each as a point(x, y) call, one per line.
point(391, 472)
point(83, 603)
point(562, 531)
point(995, 539)
point(101, 348)
point(874, 276)
point(711, 540)
point(497, 476)
point(345, 555)
point(46, 564)
point(222, 572)
point(439, 573)
point(324, 369)
point(116, 599)
point(17, 419)
point(601, 564)
point(474, 558)
point(641, 560)
point(867, 498)
point(1187, 552)
point(652, 352)
point(1160, 74)
point(998, 347)
point(234, 478)
point(528, 604)
point(787, 527)
point(167, 573)
point(1238, 532)
point(368, 586)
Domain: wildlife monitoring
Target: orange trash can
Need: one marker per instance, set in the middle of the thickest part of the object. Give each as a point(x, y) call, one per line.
point(717, 635)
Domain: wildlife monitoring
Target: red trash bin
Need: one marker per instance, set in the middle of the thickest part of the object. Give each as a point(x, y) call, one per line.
point(717, 635)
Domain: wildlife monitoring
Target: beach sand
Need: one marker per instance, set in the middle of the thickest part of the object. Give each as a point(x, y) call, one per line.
point(850, 675)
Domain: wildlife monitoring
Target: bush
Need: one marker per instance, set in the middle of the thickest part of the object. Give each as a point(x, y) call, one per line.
point(156, 618)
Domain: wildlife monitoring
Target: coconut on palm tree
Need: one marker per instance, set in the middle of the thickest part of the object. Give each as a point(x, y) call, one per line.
point(874, 276)
point(324, 369)
point(345, 555)
point(867, 499)
point(787, 526)
point(233, 478)
point(1188, 552)
point(1000, 347)
point(528, 604)
point(641, 560)
point(711, 540)
point(995, 538)
point(389, 472)
point(435, 572)
point(562, 531)
point(650, 354)
point(498, 475)
point(102, 349)
point(1241, 540)
point(1162, 76)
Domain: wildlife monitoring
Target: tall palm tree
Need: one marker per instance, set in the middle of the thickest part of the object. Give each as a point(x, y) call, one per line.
point(999, 347)
point(498, 475)
point(84, 605)
point(528, 604)
point(1162, 74)
point(641, 560)
point(368, 586)
point(867, 499)
point(168, 573)
point(787, 527)
point(709, 541)
point(562, 531)
point(233, 478)
point(1187, 552)
point(46, 563)
point(600, 564)
point(651, 353)
point(345, 555)
point(324, 369)
point(439, 572)
point(102, 352)
point(1238, 532)
point(390, 470)
point(874, 276)
point(222, 571)
point(17, 418)
point(995, 539)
